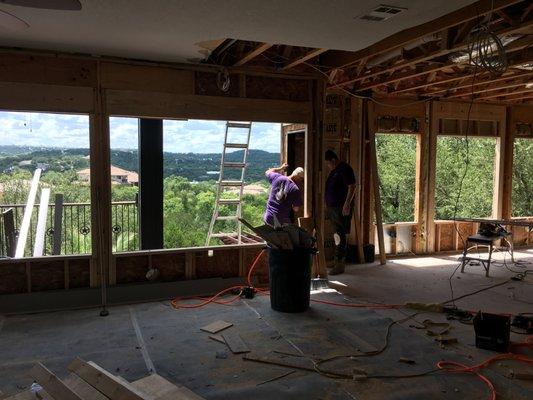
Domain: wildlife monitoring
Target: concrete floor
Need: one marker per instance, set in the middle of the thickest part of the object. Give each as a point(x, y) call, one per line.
point(152, 337)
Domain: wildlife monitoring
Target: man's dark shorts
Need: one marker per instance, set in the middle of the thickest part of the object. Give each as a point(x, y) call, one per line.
point(341, 223)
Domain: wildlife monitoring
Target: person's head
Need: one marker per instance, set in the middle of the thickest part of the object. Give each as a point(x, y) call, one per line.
point(297, 175)
point(331, 159)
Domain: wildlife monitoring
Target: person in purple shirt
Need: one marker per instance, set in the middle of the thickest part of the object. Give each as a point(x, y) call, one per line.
point(340, 191)
point(284, 194)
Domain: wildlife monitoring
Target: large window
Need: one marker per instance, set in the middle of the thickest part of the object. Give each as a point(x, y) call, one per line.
point(396, 156)
point(191, 164)
point(49, 152)
point(476, 193)
point(522, 195)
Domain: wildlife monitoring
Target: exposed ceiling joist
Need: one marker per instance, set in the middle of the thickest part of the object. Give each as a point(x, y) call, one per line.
point(254, 53)
point(300, 60)
point(518, 58)
point(478, 82)
point(490, 87)
point(527, 12)
point(518, 44)
point(504, 94)
point(339, 59)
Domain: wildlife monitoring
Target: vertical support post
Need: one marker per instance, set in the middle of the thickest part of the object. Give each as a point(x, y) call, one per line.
point(504, 150)
point(151, 183)
point(9, 229)
point(506, 172)
point(58, 224)
point(317, 142)
point(377, 201)
point(100, 192)
point(432, 129)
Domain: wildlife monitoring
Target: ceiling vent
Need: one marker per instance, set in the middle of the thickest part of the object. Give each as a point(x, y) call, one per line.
point(382, 13)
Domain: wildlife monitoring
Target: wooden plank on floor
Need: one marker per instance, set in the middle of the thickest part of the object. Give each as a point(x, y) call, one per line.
point(81, 387)
point(160, 389)
point(235, 343)
point(105, 382)
point(52, 384)
point(217, 326)
point(28, 395)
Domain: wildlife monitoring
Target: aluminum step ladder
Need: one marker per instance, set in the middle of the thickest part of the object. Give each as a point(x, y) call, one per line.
point(242, 129)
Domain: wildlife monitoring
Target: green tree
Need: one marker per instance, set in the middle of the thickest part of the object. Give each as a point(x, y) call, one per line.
point(396, 156)
point(475, 198)
point(522, 195)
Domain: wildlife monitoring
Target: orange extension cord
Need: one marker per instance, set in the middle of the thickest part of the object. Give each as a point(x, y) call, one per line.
point(445, 366)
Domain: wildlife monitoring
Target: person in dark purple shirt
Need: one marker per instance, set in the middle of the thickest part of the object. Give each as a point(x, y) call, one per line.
point(284, 194)
point(340, 191)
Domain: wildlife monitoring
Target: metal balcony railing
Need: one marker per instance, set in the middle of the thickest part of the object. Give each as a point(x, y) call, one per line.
point(76, 228)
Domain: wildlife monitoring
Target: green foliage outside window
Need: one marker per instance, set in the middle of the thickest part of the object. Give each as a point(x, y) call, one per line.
point(522, 195)
point(396, 156)
point(477, 189)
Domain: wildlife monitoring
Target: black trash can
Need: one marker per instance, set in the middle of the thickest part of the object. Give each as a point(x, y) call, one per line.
point(290, 279)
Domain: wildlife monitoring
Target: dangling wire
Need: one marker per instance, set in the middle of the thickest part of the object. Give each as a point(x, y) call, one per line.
point(223, 79)
point(486, 51)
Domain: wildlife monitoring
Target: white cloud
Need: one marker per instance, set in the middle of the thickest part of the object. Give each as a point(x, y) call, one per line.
point(61, 130)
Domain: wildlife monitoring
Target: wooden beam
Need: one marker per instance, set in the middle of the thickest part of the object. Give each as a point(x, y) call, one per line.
point(336, 59)
point(511, 97)
point(16, 96)
point(40, 231)
point(169, 105)
point(518, 58)
point(252, 54)
point(300, 60)
point(101, 236)
point(377, 202)
point(512, 93)
point(28, 211)
point(439, 53)
point(507, 18)
point(480, 81)
point(52, 384)
point(105, 382)
point(491, 87)
point(527, 12)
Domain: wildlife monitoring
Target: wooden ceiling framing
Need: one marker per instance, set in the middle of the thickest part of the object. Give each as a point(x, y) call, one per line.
point(426, 61)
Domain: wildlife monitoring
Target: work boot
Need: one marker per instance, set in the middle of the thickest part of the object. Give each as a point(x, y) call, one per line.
point(338, 267)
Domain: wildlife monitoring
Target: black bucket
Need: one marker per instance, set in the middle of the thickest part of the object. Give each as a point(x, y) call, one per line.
point(290, 279)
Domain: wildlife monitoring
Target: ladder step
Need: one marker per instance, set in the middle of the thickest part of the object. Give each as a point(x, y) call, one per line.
point(221, 235)
point(236, 145)
point(234, 164)
point(229, 201)
point(228, 218)
point(239, 125)
point(230, 183)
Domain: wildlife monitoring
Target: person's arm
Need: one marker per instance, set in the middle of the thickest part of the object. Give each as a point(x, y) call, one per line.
point(277, 170)
point(349, 180)
point(349, 197)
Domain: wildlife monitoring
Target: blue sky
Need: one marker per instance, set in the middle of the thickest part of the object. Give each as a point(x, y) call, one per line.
point(59, 130)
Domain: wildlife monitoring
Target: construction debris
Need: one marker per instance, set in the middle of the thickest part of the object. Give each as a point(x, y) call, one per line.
point(217, 326)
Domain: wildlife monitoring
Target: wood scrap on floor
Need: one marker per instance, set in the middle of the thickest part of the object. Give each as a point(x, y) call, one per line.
point(217, 338)
point(52, 384)
point(160, 389)
point(235, 343)
point(217, 326)
point(91, 382)
point(104, 381)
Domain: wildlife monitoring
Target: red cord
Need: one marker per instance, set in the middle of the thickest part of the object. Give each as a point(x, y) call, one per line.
point(455, 367)
point(213, 299)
